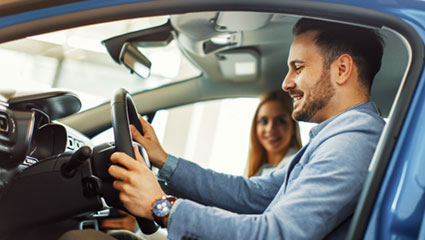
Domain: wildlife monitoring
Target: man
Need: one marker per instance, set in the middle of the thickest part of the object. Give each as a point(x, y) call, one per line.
point(331, 68)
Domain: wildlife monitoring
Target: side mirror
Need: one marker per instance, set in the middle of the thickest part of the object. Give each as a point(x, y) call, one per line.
point(134, 60)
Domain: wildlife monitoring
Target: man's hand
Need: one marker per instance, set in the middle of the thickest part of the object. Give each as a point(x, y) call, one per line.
point(138, 186)
point(150, 142)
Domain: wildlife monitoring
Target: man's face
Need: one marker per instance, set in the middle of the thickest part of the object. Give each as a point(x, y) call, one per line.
point(308, 80)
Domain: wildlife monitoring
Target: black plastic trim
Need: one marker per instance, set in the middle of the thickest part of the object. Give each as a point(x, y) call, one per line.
point(114, 44)
point(56, 104)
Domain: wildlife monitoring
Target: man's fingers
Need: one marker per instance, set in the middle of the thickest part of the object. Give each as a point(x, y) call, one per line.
point(135, 134)
point(139, 156)
point(120, 186)
point(124, 160)
point(145, 125)
point(125, 188)
point(118, 172)
point(127, 164)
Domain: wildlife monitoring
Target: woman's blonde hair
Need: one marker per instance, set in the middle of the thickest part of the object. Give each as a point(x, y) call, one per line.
point(257, 154)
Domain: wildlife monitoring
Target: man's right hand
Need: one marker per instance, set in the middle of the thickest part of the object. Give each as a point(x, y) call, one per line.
point(150, 142)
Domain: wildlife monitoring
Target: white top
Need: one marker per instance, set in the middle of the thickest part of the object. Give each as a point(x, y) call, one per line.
point(266, 168)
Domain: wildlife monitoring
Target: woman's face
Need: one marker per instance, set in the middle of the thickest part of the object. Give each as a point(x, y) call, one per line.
point(274, 127)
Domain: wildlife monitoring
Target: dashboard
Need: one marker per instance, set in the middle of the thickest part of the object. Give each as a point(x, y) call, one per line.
point(75, 140)
point(29, 132)
point(50, 172)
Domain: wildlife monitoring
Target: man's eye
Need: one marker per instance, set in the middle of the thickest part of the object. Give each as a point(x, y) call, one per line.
point(298, 69)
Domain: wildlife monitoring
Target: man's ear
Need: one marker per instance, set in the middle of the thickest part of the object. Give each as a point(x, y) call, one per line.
point(344, 65)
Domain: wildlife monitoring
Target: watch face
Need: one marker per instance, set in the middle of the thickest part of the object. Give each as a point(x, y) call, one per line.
point(161, 207)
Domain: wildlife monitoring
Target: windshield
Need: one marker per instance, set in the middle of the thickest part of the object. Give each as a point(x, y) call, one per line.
point(75, 60)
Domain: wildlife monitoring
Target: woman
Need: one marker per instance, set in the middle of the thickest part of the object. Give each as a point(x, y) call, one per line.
point(275, 136)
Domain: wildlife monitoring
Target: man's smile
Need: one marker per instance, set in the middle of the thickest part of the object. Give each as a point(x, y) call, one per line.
point(296, 95)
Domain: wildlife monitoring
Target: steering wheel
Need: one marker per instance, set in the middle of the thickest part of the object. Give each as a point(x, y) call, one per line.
point(124, 112)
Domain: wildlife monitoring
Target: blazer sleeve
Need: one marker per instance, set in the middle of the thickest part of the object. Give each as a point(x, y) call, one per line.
point(233, 193)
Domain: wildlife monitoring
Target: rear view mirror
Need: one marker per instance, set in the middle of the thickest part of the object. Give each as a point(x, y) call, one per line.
point(134, 60)
point(123, 50)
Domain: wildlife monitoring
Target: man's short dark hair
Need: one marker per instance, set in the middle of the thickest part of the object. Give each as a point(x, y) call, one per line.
point(364, 45)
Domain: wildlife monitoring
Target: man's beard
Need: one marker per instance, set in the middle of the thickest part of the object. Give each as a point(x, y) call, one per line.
point(318, 98)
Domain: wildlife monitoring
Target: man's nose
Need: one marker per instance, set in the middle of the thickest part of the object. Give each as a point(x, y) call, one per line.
point(288, 83)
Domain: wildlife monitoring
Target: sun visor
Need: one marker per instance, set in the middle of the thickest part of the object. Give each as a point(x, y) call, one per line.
point(241, 21)
point(241, 65)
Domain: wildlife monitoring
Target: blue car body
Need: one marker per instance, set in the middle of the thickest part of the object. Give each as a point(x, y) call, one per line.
point(393, 205)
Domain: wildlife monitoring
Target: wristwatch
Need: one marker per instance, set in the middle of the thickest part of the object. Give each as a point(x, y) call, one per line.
point(161, 209)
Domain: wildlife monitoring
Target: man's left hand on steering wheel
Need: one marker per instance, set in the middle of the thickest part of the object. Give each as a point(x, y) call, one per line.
point(149, 141)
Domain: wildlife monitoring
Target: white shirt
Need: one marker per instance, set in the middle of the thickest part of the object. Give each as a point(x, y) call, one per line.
point(266, 168)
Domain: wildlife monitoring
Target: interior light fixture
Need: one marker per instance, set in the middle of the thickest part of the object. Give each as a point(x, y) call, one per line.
point(224, 39)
